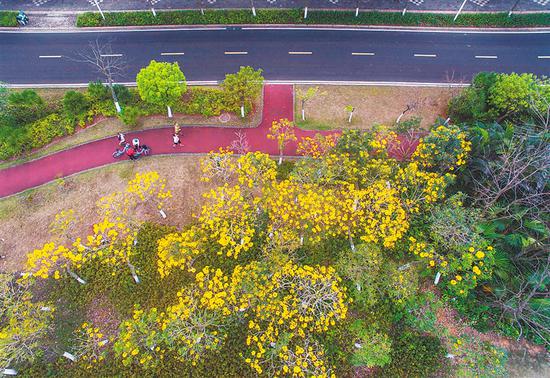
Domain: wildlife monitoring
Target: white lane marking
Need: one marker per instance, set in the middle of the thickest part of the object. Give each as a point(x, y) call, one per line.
point(398, 29)
point(425, 55)
point(171, 53)
point(363, 53)
point(486, 57)
point(300, 53)
point(236, 53)
point(544, 57)
point(110, 55)
point(49, 56)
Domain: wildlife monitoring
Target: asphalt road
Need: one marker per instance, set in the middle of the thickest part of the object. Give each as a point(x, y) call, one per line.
point(283, 54)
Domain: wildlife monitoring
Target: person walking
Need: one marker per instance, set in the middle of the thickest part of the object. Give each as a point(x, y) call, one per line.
point(177, 128)
point(121, 139)
point(177, 141)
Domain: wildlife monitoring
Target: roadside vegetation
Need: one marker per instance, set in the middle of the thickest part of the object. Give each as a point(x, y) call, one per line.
point(7, 18)
point(296, 17)
point(393, 251)
point(29, 122)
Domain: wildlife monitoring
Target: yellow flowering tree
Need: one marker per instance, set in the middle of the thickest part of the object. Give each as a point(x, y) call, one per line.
point(24, 323)
point(282, 131)
point(90, 345)
point(317, 146)
point(444, 149)
point(179, 250)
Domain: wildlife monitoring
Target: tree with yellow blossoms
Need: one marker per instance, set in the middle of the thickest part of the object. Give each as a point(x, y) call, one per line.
point(317, 146)
point(24, 324)
point(90, 345)
point(282, 131)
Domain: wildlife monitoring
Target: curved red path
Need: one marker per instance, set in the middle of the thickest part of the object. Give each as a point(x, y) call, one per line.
point(278, 103)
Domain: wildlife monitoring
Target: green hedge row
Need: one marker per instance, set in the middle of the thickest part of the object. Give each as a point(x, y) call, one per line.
point(295, 16)
point(7, 18)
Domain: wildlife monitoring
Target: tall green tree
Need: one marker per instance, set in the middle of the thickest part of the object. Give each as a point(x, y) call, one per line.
point(162, 84)
point(243, 87)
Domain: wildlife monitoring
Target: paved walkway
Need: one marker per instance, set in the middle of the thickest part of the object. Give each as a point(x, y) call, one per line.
point(278, 103)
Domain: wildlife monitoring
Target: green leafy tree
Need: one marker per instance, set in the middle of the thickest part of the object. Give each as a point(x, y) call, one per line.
point(161, 84)
point(305, 96)
point(516, 94)
point(4, 93)
point(243, 87)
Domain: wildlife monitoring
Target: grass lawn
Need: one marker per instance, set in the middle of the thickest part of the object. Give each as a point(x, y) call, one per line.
point(373, 105)
point(112, 126)
point(35, 209)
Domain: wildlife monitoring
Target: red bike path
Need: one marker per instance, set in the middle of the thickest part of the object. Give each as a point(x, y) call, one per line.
point(278, 103)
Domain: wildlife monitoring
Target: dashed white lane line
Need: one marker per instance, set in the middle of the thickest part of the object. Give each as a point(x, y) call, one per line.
point(362, 53)
point(486, 57)
point(425, 55)
point(236, 53)
point(300, 53)
point(171, 53)
point(544, 57)
point(110, 55)
point(49, 56)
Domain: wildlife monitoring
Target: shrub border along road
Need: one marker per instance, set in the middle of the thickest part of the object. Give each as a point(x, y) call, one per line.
point(295, 16)
point(7, 18)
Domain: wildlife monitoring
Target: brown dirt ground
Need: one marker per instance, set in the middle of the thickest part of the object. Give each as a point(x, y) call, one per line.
point(373, 105)
point(25, 218)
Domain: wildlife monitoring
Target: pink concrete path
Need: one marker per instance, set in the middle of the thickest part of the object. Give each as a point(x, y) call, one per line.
point(278, 103)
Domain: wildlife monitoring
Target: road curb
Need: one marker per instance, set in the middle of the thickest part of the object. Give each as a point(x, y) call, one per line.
point(281, 82)
point(373, 28)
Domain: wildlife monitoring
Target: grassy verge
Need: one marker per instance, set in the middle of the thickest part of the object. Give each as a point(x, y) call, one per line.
point(372, 105)
point(295, 16)
point(7, 18)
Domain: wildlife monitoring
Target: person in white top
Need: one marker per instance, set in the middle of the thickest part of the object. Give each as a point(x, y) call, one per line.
point(121, 139)
point(176, 139)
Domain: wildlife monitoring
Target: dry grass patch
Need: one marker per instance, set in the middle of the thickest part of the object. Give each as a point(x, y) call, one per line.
point(25, 218)
point(373, 105)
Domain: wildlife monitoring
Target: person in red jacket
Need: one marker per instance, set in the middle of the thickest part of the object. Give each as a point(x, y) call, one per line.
point(131, 153)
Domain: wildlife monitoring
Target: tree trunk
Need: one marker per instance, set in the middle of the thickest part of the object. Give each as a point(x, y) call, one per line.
point(169, 111)
point(351, 244)
point(133, 272)
point(350, 116)
point(115, 98)
point(75, 276)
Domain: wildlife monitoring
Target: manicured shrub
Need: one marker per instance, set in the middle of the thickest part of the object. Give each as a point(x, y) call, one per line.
point(130, 115)
point(97, 91)
point(7, 18)
point(75, 104)
point(414, 355)
point(295, 16)
point(45, 130)
point(122, 93)
point(24, 107)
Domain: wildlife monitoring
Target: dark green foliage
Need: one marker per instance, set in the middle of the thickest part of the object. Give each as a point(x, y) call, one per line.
point(284, 169)
point(8, 18)
point(122, 93)
point(97, 91)
point(473, 103)
point(75, 104)
point(24, 107)
point(413, 355)
point(295, 16)
point(130, 115)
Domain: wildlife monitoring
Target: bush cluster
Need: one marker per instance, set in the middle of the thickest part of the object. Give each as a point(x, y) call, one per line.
point(7, 18)
point(295, 16)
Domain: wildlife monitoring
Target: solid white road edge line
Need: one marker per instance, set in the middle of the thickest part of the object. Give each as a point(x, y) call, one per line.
point(311, 82)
